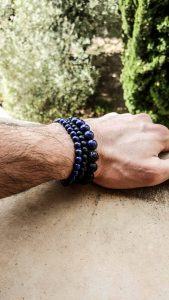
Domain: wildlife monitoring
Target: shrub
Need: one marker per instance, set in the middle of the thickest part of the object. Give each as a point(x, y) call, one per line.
point(145, 74)
point(45, 68)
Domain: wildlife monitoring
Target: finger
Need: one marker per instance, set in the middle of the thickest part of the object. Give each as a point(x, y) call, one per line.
point(161, 134)
point(144, 117)
point(160, 170)
point(127, 116)
point(161, 129)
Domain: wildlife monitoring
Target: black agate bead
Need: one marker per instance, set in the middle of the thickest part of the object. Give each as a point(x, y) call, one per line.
point(83, 143)
point(93, 156)
point(81, 138)
point(92, 167)
point(87, 179)
point(85, 150)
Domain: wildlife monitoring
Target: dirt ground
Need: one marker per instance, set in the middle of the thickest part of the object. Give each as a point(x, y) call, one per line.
point(109, 93)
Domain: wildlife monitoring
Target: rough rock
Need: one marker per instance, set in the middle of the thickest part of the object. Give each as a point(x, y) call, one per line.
point(85, 243)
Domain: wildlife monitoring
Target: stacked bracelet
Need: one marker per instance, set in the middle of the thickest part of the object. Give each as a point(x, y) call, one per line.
point(85, 150)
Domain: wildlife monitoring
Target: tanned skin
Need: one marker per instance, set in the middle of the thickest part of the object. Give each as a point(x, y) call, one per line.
point(128, 147)
point(30, 156)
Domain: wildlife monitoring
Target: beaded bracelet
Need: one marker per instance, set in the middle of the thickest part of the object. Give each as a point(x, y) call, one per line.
point(85, 150)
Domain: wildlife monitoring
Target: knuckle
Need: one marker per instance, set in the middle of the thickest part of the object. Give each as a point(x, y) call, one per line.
point(162, 133)
point(110, 115)
point(143, 116)
point(161, 129)
point(127, 115)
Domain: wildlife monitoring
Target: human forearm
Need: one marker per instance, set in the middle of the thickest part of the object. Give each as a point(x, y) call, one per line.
point(128, 148)
point(30, 156)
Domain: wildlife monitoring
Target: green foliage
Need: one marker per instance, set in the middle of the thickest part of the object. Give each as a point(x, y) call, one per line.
point(145, 74)
point(45, 68)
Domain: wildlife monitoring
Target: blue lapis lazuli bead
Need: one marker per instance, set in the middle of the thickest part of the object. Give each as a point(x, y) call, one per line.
point(57, 120)
point(75, 139)
point(78, 159)
point(67, 126)
point(69, 129)
point(61, 121)
point(73, 133)
point(89, 135)
point(77, 145)
point(74, 119)
point(84, 128)
point(78, 152)
point(92, 144)
point(79, 123)
point(76, 167)
point(64, 123)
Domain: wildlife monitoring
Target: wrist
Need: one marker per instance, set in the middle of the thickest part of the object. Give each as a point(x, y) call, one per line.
point(85, 153)
point(59, 150)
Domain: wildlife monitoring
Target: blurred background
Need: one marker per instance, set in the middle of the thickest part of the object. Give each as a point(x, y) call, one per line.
point(85, 58)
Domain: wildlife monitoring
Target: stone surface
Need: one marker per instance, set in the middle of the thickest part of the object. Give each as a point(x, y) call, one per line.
point(83, 243)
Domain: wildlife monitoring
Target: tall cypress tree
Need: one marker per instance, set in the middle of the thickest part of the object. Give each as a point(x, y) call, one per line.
point(145, 74)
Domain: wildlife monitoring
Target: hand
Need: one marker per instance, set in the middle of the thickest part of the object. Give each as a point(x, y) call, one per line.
point(129, 147)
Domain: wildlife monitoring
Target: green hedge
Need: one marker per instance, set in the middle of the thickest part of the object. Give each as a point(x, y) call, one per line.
point(145, 74)
point(45, 70)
